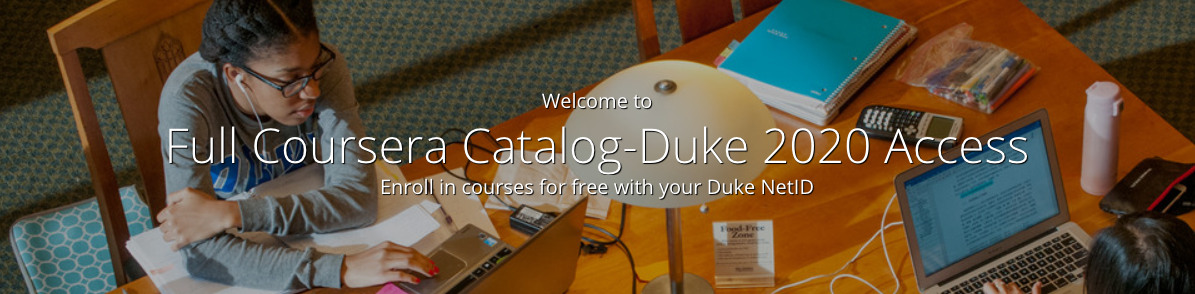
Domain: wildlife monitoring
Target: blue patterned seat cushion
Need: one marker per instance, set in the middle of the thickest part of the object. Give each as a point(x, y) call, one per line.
point(65, 250)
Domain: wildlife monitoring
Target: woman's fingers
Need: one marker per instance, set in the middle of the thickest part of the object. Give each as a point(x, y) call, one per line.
point(168, 235)
point(426, 264)
point(411, 263)
point(1012, 288)
point(990, 288)
point(405, 258)
point(164, 215)
point(399, 276)
point(179, 243)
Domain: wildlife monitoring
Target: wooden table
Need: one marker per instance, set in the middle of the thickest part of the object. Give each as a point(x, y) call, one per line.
point(817, 233)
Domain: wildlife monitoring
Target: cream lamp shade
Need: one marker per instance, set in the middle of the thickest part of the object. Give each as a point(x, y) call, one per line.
point(693, 106)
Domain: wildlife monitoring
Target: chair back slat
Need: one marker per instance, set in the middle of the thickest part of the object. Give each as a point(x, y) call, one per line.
point(695, 17)
point(700, 17)
point(103, 178)
point(645, 29)
point(138, 65)
point(111, 20)
point(128, 32)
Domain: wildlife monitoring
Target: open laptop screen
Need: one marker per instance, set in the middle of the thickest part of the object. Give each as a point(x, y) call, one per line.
point(960, 209)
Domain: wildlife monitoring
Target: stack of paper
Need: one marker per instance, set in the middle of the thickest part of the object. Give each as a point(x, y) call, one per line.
point(808, 58)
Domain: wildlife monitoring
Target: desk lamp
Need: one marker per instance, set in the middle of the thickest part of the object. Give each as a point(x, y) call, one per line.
point(685, 97)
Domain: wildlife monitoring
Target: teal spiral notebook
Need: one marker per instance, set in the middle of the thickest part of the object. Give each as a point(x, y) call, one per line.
point(810, 52)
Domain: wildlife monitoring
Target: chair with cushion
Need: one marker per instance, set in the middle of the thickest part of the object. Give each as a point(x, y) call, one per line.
point(141, 42)
point(696, 18)
point(65, 250)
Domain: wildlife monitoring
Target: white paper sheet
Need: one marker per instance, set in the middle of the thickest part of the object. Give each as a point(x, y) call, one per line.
point(167, 268)
point(464, 209)
point(430, 207)
point(599, 206)
point(405, 228)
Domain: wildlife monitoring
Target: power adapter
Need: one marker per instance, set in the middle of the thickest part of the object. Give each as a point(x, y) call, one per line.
point(529, 220)
point(593, 248)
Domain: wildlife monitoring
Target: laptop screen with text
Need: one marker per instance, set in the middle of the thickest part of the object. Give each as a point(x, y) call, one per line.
point(960, 209)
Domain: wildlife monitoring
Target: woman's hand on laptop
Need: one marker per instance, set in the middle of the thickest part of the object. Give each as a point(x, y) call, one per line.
point(998, 286)
point(383, 263)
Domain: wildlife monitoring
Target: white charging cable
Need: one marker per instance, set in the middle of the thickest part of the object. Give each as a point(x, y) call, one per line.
point(884, 225)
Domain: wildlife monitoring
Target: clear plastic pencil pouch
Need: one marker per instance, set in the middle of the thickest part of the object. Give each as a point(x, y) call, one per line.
point(976, 74)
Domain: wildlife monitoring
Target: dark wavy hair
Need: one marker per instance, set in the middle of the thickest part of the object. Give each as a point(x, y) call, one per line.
point(1146, 252)
point(236, 31)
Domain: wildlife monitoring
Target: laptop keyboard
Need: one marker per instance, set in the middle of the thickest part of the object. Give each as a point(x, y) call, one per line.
point(1055, 263)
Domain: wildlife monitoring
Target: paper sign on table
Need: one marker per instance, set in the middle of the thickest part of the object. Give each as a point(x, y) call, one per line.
point(743, 256)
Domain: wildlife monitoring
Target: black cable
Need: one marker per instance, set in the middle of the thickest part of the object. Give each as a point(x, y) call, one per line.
point(621, 225)
point(617, 239)
point(634, 274)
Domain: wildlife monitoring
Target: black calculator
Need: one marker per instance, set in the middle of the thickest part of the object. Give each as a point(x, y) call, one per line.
point(884, 122)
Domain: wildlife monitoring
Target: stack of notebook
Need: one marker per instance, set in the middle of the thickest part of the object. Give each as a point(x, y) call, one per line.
point(809, 57)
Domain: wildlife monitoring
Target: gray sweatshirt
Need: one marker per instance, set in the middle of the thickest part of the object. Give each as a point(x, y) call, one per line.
point(195, 99)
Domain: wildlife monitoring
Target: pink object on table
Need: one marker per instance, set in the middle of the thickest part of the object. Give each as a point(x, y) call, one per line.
point(391, 289)
point(718, 61)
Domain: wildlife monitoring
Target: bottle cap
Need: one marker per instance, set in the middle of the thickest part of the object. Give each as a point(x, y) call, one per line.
point(1107, 93)
point(1104, 91)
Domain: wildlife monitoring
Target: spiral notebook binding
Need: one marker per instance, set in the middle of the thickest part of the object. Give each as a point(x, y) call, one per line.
point(861, 67)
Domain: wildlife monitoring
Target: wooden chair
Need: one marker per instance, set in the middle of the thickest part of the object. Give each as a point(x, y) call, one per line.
point(696, 17)
point(141, 41)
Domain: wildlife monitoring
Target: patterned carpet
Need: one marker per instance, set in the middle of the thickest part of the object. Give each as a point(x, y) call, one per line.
point(424, 66)
point(1148, 45)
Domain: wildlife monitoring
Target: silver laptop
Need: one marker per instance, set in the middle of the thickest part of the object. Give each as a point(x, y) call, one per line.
point(967, 224)
point(473, 261)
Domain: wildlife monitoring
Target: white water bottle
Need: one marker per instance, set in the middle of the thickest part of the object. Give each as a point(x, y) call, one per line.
point(1101, 137)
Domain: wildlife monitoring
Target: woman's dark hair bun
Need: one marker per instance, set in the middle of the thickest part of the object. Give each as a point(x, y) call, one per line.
point(235, 31)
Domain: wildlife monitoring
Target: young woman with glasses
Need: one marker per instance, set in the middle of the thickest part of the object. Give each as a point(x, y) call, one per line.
point(261, 69)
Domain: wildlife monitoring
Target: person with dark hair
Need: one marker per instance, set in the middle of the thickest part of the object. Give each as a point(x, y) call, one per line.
point(228, 119)
point(1144, 252)
point(1147, 252)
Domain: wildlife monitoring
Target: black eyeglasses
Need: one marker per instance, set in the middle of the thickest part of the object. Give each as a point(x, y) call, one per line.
point(292, 88)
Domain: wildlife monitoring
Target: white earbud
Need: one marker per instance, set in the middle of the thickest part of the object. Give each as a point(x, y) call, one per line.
point(240, 80)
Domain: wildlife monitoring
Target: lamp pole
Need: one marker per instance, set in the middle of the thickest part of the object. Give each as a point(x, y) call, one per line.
point(692, 100)
point(677, 281)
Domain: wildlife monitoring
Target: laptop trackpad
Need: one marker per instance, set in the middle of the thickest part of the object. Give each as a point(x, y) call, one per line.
point(449, 265)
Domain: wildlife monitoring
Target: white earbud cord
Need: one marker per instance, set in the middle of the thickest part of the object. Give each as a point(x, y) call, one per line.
point(240, 84)
point(884, 225)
